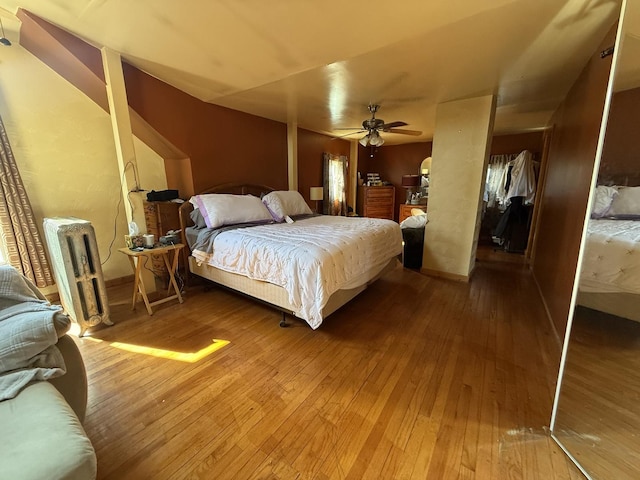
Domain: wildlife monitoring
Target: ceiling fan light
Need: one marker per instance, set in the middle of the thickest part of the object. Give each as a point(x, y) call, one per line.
point(364, 141)
point(376, 140)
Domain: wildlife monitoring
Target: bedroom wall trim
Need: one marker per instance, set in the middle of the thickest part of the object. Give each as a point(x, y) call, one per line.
point(554, 329)
point(121, 125)
point(446, 275)
point(54, 296)
point(292, 155)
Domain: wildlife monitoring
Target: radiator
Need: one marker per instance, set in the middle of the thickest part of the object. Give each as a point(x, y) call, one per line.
point(76, 267)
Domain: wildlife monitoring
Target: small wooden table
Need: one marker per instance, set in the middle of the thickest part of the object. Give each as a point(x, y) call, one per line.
point(136, 260)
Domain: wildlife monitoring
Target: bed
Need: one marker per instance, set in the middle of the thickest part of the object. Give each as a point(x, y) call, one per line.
point(308, 267)
point(610, 276)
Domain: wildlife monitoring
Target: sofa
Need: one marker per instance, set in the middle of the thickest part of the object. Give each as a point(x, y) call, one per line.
point(43, 389)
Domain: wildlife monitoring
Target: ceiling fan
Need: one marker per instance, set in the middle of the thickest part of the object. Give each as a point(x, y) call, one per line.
point(373, 126)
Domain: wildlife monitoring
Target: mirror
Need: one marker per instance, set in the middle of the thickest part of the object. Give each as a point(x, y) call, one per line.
point(597, 409)
point(425, 171)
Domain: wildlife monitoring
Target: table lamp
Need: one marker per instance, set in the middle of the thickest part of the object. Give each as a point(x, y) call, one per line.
point(317, 194)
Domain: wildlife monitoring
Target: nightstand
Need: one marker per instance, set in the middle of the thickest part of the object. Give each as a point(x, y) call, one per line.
point(137, 259)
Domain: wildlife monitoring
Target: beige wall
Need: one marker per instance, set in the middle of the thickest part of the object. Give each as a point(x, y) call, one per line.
point(461, 144)
point(63, 144)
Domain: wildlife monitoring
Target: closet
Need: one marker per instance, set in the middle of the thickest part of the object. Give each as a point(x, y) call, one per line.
point(508, 201)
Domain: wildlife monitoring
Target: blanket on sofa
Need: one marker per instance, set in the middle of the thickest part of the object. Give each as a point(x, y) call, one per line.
point(29, 329)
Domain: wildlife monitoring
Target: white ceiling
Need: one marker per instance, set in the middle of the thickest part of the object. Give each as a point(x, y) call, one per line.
point(320, 63)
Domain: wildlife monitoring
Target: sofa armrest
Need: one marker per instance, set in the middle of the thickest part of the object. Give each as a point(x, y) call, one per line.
point(73, 384)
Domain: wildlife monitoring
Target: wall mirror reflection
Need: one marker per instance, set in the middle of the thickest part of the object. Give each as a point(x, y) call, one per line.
point(597, 415)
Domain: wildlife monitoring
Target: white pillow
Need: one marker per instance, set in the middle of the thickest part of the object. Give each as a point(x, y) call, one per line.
point(414, 221)
point(602, 198)
point(626, 202)
point(220, 209)
point(285, 202)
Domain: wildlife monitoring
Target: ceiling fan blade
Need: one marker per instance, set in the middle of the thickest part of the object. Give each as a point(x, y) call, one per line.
point(346, 128)
point(347, 134)
point(404, 131)
point(389, 125)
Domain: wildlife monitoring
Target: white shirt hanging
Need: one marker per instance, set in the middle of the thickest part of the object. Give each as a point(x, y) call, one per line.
point(523, 178)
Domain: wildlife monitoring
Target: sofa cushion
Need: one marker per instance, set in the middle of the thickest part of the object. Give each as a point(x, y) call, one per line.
point(41, 437)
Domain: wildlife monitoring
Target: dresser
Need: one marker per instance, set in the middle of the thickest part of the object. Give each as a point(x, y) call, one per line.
point(376, 202)
point(405, 210)
point(159, 218)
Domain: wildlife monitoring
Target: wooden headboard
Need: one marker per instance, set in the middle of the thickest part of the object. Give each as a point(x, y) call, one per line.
point(233, 188)
point(627, 179)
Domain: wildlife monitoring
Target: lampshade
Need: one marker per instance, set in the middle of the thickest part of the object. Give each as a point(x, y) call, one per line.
point(376, 140)
point(316, 193)
point(373, 138)
point(410, 180)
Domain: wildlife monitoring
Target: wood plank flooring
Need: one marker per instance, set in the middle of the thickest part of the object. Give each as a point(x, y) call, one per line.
point(417, 378)
point(597, 417)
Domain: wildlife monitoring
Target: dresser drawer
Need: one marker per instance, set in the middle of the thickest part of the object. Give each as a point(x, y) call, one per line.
point(380, 212)
point(376, 202)
point(373, 193)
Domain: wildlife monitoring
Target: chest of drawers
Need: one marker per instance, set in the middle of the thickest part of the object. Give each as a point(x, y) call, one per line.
point(376, 202)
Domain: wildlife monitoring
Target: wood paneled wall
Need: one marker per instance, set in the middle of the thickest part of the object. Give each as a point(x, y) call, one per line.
point(515, 143)
point(564, 199)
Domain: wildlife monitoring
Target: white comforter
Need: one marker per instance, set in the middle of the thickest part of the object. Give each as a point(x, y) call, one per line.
point(311, 258)
point(612, 257)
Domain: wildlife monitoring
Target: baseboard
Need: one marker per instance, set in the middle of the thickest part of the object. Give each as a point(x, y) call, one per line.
point(54, 296)
point(114, 282)
point(446, 275)
point(546, 309)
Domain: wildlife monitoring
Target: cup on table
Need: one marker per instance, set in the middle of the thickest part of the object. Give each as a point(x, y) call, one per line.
point(149, 240)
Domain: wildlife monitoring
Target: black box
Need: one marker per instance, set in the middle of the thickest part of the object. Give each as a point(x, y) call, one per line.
point(162, 195)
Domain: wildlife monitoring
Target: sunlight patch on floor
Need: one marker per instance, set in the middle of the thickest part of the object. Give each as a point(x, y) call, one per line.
point(191, 357)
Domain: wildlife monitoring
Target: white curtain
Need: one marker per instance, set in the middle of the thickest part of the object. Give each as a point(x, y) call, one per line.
point(494, 193)
point(335, 185)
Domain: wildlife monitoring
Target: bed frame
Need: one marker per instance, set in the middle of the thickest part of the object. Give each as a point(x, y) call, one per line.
point(625, 305)
point(273, 295)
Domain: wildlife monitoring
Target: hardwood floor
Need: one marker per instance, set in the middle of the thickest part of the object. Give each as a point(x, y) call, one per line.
point(418, 378)
point(597, 418)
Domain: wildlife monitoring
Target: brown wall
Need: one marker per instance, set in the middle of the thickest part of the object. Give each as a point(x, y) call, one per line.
point(515, 143)
point(568, 179)
point(394, 161)
point(621, 152)
point(224, 145)
point(311, 146)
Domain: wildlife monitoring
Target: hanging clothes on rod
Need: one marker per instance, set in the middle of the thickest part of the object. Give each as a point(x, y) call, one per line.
point(520, 189)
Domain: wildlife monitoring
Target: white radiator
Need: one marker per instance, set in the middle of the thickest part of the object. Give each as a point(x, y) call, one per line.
point(77, 270)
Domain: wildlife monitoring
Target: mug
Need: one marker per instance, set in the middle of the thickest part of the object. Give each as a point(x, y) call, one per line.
point(149, 240)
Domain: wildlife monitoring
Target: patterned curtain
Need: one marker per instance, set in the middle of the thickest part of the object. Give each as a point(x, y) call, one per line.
point(20, 237)
point(335, 184)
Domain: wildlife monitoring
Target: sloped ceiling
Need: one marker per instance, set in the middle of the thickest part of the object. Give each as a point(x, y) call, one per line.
point(320, 63)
